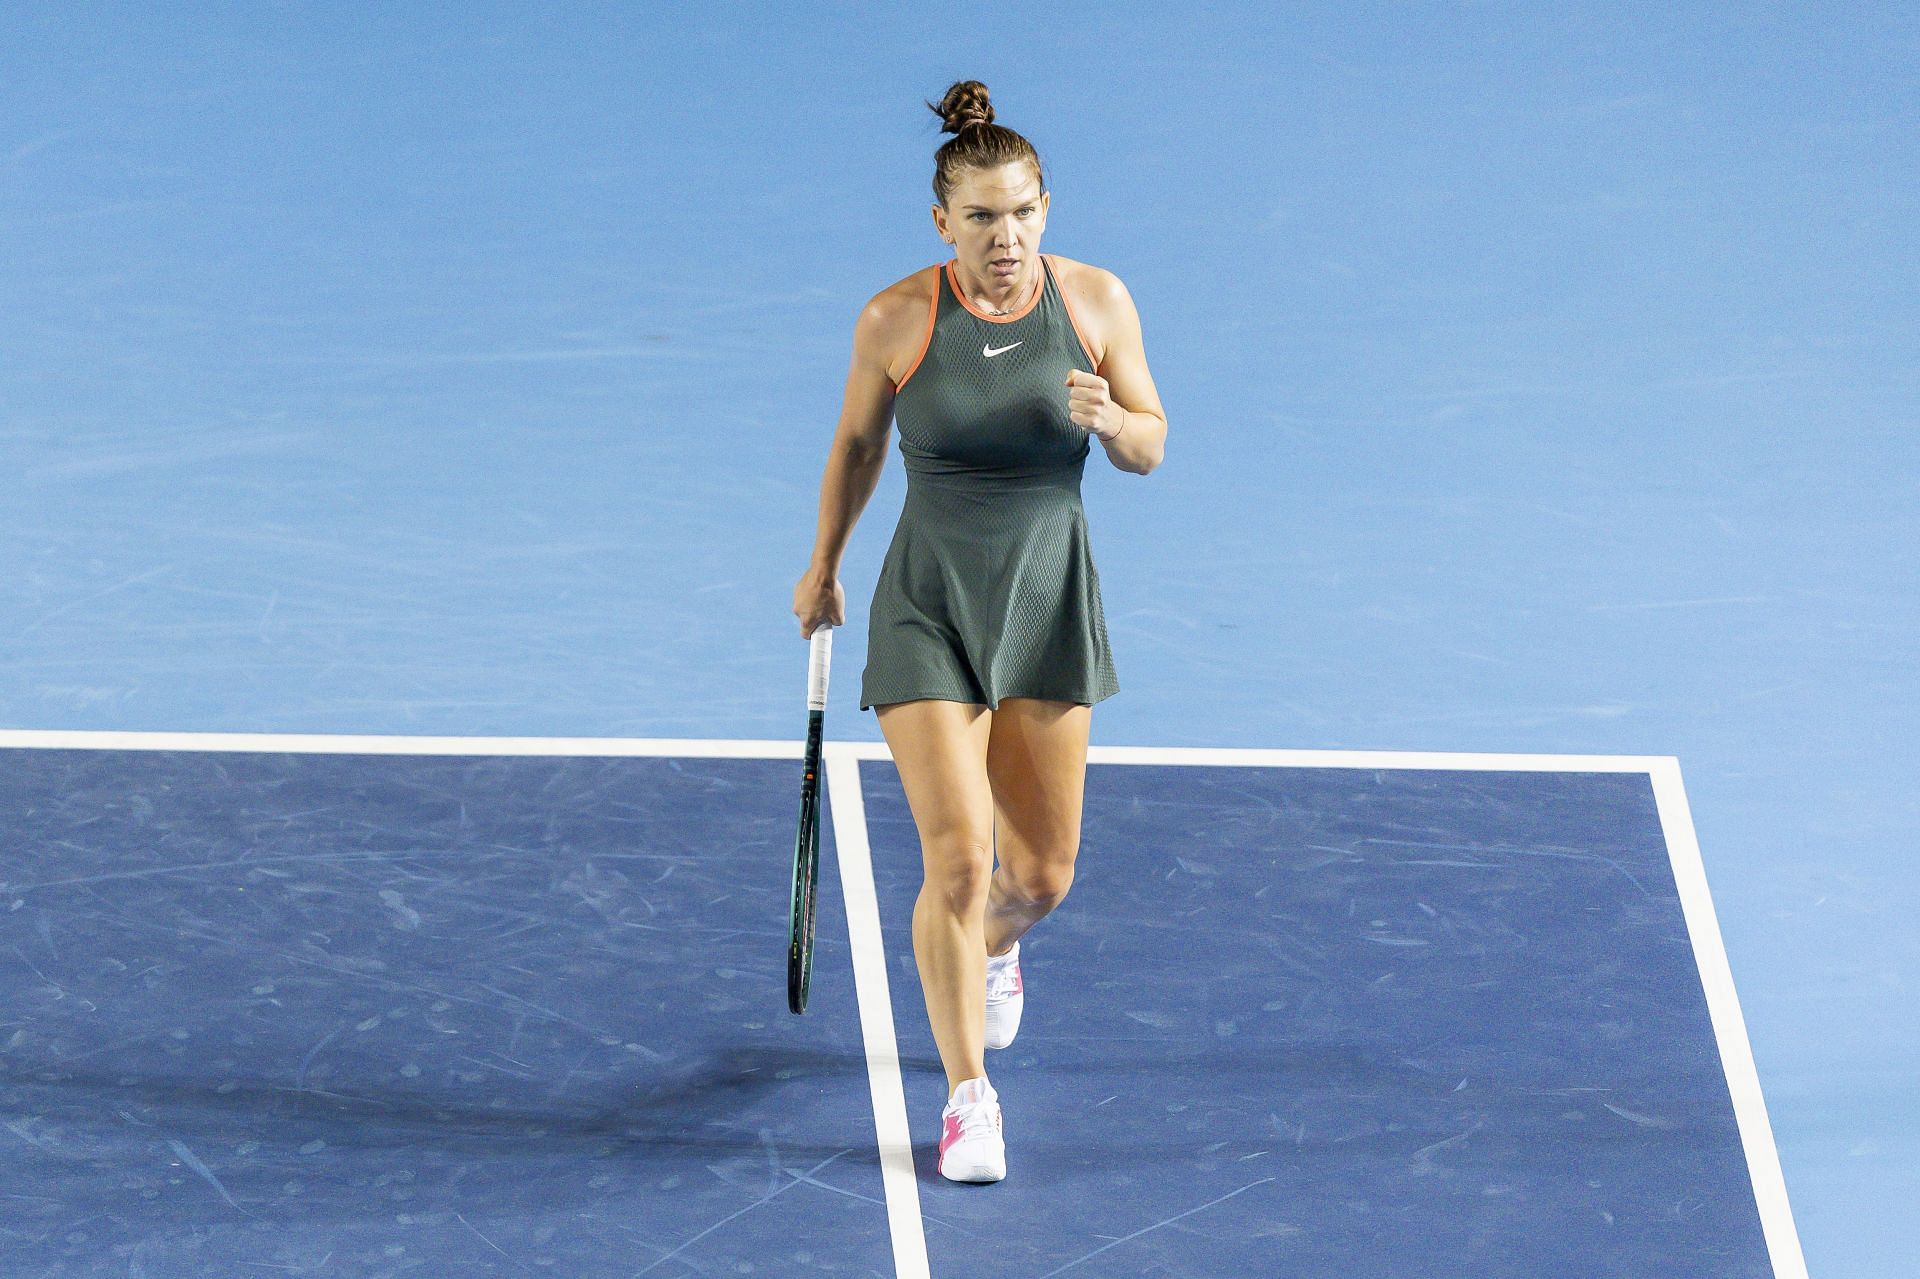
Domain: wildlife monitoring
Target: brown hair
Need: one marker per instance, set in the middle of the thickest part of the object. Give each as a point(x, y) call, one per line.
point(978, 143)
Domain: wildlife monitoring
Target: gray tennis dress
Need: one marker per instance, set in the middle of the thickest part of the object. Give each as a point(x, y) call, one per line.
point(988, 589)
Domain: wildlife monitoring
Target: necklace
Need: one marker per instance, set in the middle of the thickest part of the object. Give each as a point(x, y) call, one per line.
point(990, 311)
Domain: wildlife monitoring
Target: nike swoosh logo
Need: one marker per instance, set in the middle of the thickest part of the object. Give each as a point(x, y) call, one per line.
point(990, 352)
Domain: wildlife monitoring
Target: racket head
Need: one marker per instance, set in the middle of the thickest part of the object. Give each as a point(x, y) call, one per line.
point(806, 893)
point(806, 873)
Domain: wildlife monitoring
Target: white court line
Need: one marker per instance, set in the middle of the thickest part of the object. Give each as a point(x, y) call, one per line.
point(876, 1014)
point(876, 1009)
point(779, 748)
point(1729, 1027)
point(751, 748)
point(381, 744)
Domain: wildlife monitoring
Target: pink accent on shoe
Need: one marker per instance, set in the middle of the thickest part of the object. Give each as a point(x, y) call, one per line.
point(950, 1135)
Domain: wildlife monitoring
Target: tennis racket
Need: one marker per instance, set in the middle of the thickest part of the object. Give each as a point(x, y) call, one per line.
point(806, 845)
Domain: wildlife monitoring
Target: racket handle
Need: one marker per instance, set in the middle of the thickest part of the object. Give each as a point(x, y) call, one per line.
point(822, 656)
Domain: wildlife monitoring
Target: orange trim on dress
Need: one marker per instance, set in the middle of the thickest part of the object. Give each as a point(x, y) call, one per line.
point(1032, 302)
point(1086, 347)
point(933, 309)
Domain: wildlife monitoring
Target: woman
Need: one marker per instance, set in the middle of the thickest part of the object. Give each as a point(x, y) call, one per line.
point(987, 645)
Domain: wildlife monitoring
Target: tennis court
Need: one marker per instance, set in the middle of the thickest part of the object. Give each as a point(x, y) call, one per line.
point(1450, 1012)
point(1495, 860)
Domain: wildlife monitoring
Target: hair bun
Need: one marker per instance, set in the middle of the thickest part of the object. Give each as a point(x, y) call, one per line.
point(964, 103)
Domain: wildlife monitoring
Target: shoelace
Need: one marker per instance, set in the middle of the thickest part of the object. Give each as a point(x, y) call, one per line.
point(977, 1120)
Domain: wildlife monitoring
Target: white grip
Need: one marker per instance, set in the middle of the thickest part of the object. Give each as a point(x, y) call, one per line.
point(817, 668)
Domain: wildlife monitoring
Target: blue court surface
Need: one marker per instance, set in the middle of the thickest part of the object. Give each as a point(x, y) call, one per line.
point(385, 1005)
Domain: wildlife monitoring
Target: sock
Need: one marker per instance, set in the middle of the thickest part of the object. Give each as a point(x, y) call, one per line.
point(970, 1091)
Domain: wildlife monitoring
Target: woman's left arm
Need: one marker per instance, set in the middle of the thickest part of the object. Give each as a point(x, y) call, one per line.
point(1119, 404)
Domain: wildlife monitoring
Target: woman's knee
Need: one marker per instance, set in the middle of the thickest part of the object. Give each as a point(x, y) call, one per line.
point(958, 871)
point(1042, 884)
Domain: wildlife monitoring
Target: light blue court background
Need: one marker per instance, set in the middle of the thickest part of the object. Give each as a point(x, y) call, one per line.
point(1538, 381)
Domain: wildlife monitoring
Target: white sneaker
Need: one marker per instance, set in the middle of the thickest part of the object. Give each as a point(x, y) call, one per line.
point(971, 1147)
point(1006, 996)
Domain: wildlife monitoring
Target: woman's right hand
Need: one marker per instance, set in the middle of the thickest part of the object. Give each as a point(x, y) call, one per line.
point(818, 600)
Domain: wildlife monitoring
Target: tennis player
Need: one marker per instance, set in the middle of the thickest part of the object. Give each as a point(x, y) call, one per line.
point(986, 641)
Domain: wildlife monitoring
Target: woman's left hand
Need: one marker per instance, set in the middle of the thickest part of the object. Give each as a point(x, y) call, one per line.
point(1090, 406)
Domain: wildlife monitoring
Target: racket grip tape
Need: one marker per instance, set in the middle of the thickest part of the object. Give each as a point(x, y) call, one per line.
point(822, 657)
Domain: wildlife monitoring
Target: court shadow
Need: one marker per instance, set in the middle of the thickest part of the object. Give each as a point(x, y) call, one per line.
point(721, 1102)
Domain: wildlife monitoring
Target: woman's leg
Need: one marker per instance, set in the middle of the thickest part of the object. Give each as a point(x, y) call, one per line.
point(940, 749)
point(1037, 768)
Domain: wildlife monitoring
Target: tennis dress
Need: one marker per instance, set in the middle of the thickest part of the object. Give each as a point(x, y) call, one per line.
point(988, 589)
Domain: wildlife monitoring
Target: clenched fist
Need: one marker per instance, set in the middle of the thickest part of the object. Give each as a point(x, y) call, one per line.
point(1091, 407)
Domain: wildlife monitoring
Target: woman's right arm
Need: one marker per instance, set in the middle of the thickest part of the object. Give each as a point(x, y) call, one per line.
point(854, 462)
